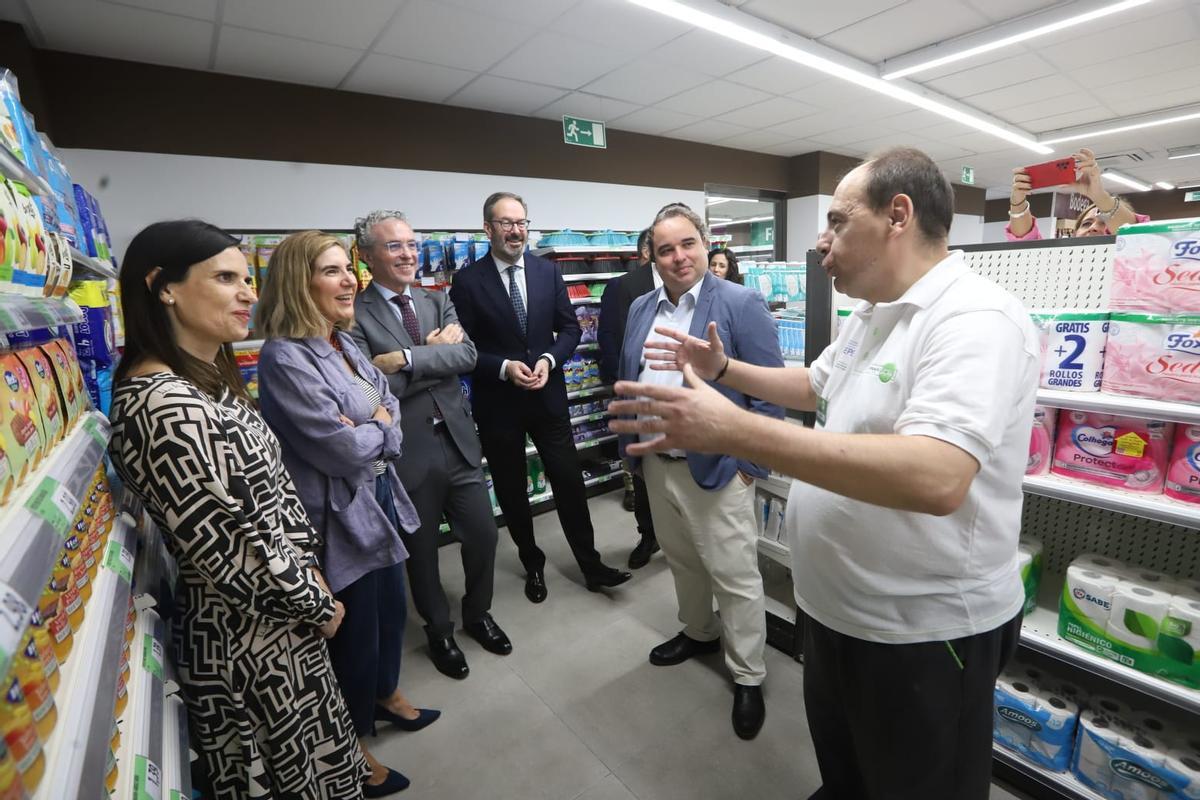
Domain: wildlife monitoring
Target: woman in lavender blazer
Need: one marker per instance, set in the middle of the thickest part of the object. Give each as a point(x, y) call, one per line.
point(339, 431)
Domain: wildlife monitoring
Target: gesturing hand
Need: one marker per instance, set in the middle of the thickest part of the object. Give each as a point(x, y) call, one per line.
point(696, 417)
point(706, 357)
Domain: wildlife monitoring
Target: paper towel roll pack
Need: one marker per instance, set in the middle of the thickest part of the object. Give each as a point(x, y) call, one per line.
point(1123, 761)
point(1029, 563)
point(1156, 267)
point(1041, 440)
point(1122, 452)
point(1155, 356)
point(1073, 347)
point(1183, 467)
point(1140, 618)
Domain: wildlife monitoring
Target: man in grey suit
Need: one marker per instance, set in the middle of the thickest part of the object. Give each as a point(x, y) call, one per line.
point(413, 336)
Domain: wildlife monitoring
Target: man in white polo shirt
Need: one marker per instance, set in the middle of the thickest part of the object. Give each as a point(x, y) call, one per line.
point(904, 517)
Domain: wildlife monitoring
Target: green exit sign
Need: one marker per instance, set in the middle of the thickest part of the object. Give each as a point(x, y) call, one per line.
point(584, 132)
point(1191, 197)
point(968, 176)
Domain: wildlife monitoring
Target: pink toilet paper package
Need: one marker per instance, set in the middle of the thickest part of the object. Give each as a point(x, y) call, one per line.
point(1041, 440)
point(1154, 355)
point(1183, 470)
point(1156, 267)
point(1120, 452)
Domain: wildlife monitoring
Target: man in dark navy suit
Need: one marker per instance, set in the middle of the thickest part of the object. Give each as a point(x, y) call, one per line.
point(512, 303)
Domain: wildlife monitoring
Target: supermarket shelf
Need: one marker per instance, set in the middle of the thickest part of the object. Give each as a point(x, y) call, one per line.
point(95, 266)
point(587, 347)
point(1153, 506)
point(1120, 404)
point(19, 313)
point(249, 344)
point(778, 609)
point(14, 169)
point(612, 437)
point(775, 551)
point(584, 250)
point(1039, 632)
point(176, 767)
point(548, 495)
point(583, 301)
point(592, 276)
point(753, 248)
point(35, 520)
point(142, 723)
point(591, 390)
point(595, 417)
point(777, 485)
point(1063, 784)
point(77, 752)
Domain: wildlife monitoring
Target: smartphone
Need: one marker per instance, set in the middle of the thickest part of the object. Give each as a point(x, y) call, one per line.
point(1052, 173)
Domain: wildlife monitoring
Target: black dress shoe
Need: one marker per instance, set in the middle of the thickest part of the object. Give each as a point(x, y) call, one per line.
point(394, 782)
point(448, 659)
point(749, 711)
point(646, 547)
point(605, 578)
point(535, 586)
point(425, 717)
point(680, 649)
point(627, 502)
point(488, 634)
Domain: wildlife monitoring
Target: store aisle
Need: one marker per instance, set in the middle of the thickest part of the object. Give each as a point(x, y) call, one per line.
point(577, 713)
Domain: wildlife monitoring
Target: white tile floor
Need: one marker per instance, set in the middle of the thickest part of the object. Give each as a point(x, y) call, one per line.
point(576, 712)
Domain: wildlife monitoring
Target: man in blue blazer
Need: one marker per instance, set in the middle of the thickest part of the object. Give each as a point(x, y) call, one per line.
point(703, 504)
point(512, 303)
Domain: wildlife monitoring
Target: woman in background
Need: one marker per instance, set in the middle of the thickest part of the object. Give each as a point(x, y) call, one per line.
point(339, 427)
point(253, 611)
point(1102, 216)
point(722, 262)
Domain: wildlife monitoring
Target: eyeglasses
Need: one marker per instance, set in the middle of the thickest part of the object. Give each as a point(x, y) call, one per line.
point(509, 224)
point(395, 248)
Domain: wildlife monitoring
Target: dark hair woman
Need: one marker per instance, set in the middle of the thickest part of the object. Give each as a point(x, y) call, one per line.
point(722, 262)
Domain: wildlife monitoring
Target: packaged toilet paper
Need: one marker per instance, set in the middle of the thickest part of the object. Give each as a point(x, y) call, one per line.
point(1041, 440)
point(1034, 721)
point(1121, 762)
point(1029, 563)
point(1155, 356)
point(1179, 633)
point(1186, 765)
point(1072, 345)
point(1183, 467)
point(1122, 452)
point(1135, 615)
point(1156, 267)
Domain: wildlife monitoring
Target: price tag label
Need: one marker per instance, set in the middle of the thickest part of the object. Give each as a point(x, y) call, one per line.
point(13, 319)
point(152, 656)
point(14, 617)
point(118, 559)
point(54, 503)
point(147, 779)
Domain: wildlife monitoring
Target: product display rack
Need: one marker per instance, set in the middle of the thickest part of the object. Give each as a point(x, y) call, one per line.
point(13, 169)
point(19, 313)
point(140, 759)
point(93, 266)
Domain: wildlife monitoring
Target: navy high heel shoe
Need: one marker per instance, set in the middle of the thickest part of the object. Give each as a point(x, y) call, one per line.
point(425, 717)
point(395, 782)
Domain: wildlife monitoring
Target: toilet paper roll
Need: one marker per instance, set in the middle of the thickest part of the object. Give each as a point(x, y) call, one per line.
point(1137, 611)
point(1150, 724)
point(1186, 767)
point(1054, 742)
point(1097, 739)
point(1072, 692)
point(1092, 592)
point(1117, 712)
point(1073, 358)
point(1062, 711)
point(1138, 772)
point(1099, 563)
point(1179, 633)
point(1016, 704)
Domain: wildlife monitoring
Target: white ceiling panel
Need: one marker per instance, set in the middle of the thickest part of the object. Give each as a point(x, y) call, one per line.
point(851, 101)
point(1010, 9)
point(196, 9)
point(1131, 34)
point(559, 60)
point(1156, 11)
point(998, 74)
point(709, 53)
point(532, 12)
point(794, 147)
point(105, 29)
point(917, 120)
point(905, 28)
point(501, 94)
point(646, 82)
point(768, 113)
point(815, 20)
point(618, 24)
point(1023, 94)
point(282, 58)
point(1076, 102)
point(587, 106)
point(1152, 101)
point(454, 37)
point(713, 98)
point(315, 20)
point(755, 140)
point(808, 128)
point(402, 77)
point(1143, 65)
point(1066, 120)
point(852, 136)
point(654, 121)
point(708, 130)
point(777, 76)
point(1175, 81)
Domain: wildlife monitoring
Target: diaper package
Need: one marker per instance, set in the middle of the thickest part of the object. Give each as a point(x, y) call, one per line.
point(1123, 452)
point(1072, 345)
point(1041, 440)
point(1183, 468)
point(1156, 267)
point(1155, 356)
point(94, 338)
point(1139, 618)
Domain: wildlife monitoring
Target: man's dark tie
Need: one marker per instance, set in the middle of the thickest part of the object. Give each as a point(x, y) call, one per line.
point(514, 294)
point(414, 332)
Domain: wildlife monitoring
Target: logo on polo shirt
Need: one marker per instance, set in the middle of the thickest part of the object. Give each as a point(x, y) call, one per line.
point(887, 372)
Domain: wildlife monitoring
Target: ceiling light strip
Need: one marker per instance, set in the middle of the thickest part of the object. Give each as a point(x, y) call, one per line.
point(857, 74)
point(1168, 117)
point(1125, 180)
point(1164, 185)
point(998, 36)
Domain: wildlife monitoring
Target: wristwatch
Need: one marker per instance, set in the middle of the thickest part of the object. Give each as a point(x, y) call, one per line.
point(1105, 216)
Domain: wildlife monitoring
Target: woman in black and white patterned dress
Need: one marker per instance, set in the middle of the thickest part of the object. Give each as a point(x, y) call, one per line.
point(265, 712)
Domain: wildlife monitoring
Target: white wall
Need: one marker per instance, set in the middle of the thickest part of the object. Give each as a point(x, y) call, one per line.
point(966, 229)
point(135, 189)
point(805, 221)
point(994, 231)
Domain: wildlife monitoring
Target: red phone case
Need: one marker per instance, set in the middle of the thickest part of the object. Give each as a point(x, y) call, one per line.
point(1052, 173)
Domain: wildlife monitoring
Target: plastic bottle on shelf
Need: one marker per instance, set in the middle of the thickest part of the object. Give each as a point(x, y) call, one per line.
point(73, 547)
point(27, 666)
point(70, 601)
point(58, 625)
point(21, 735)
point(11, 787)
point(45, 646)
